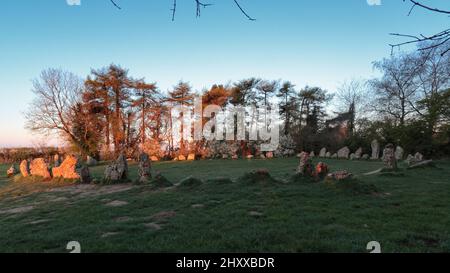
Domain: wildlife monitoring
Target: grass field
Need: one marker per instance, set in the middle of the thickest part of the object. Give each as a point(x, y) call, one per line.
point(408, 211)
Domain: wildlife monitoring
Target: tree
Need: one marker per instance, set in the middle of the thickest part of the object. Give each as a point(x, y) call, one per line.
point(351, 98)
point(285, 93)
point(54, 108)
point(310, 114)
point(181, 95)
point(432, 82)
point(244, 92)
point(396, 89)
point(111, 88)
point(145, 101)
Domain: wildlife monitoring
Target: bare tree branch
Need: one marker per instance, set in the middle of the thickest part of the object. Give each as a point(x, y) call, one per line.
point(438, 40)
point(115, 4)
point(199, 6)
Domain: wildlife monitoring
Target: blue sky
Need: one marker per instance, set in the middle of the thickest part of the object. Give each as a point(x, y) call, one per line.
point(310, 42)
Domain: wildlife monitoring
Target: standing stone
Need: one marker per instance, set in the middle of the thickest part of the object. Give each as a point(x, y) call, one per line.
point(224, 156)
point(39, 167)
point(328, 155)
point(145, 168)
point(390, 162)
point(334, 156)
point(305, 166)
point(11, 171)
point(418, 157)
point(191, 157)
point(410, 159)
point(358, 153)
point(25, 168)
point(312, 154)
point(235, 157)
point(85, 175)
point(154, 158)
point(399, 153)
point(343, 153)
point(91, 161)
point(323, 152)
point(67, 169)
point(365, 157)
point(375, 149)
point(181, 158)
point(352, 156)
point(56, 160)
point(118, 170)
point(321, 170)
point(339, 175)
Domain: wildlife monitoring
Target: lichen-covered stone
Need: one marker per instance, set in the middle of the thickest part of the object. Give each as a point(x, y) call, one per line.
point(67, 169)
point(39, 167)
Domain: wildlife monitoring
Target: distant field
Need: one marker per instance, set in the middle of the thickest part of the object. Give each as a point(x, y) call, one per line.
point(408, 212)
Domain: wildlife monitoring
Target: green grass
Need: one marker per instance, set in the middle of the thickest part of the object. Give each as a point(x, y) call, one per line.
point(405, 212)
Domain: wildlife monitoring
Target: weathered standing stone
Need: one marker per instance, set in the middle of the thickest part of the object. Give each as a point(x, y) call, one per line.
point(191, 157)
point(321, 170)
point(25, 168)
point(365, 157)
point(11, 171)
point(375, 149)
point(343, 153)
point(39, 167)
point(352, 156)
point(145, 168)
point(418, 157)
point(91, 161)
point(56, 160)
point(67, 169)
point(312, 154)
point(410, 159)
point(335, 155)
point(154, 158)
point(399, 153)
point(118, 170)
point(181, 158)
point(85, 175)
point(339, 175)
point(224, 156)
point(305, 166)
point(358, 153)
point(328, 155)
point(323, 152)
point(390, 162)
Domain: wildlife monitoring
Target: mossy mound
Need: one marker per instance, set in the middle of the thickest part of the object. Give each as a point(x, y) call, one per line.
point(352, 186)
point(106, 182)
point(219, 180)
point(258, 177)
point(18, 178)
point(300, 178)
point(159, 181)
point(189, 183)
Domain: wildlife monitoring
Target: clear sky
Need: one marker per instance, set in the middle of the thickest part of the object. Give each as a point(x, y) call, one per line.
point(310, 42)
